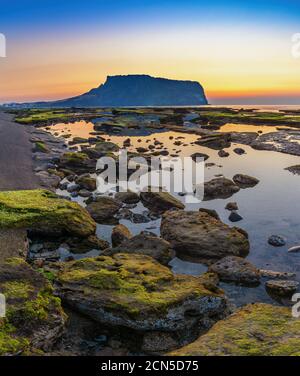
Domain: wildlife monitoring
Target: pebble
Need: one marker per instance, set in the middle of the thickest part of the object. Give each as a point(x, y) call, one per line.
point(276, 240)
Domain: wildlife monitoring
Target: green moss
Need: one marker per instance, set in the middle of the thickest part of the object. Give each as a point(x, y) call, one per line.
point(50, 276)
point(272, 118)
point(16, 289)
point(41, 147)
point(30, 307)
point(38, 308)
point(258, 329)
point(43, 210)
point(9, 343)
point(134, 283)
point(75, 157)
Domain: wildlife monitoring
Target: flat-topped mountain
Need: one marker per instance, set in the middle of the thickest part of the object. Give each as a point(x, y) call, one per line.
point(137, 90)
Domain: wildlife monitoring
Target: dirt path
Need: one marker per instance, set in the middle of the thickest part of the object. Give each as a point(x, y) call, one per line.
point(16, 165)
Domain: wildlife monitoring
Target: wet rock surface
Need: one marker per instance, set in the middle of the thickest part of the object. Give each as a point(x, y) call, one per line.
point(219, 188)
point(146, 244)
point(160, 201)
point(236, 269)
point(198, 234)
point(103, 209)
point(136, 292)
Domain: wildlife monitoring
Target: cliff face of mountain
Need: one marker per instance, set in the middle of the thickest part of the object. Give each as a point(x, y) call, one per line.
point(139, 90)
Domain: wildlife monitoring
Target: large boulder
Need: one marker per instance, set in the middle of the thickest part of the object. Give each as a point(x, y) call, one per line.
point(137, 292)
point(219, 188)
point(236, 269)
point(34, 318)
point(256, 329)
point(41, 211)
point(146, 244)
point(160, 201)
point(200, 235)
point(103, 209)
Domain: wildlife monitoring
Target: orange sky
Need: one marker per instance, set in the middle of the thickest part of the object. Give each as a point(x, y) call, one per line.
point(232, 64)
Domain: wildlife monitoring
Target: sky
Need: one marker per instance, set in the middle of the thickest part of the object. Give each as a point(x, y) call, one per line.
point(240, 51)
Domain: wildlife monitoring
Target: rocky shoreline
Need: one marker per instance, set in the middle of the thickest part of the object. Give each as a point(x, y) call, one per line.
point(128, 286)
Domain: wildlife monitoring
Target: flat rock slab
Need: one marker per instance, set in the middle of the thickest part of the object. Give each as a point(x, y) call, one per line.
point(135, 291)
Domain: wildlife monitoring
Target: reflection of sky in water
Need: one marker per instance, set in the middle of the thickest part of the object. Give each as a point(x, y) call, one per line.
point(271, 207)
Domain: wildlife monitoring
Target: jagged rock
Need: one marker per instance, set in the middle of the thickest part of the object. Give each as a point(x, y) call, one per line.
point(146, 244)
point(103, 208)
point(256, 329)
point(43, 212)
point(236, 269)
point(198, 234)
point(282, 287)
point(245, 181)
point(274, 274)
point(35, 319)
point(136, 292)
point(219, 188)
point(120, 233)
point(160, 201)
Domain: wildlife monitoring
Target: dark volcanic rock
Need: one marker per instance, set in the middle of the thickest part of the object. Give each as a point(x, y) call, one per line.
point(146, 244)
point(160, 201)
point(236, 269)
point(198, 234)
point(245, 181)
point(219, 188)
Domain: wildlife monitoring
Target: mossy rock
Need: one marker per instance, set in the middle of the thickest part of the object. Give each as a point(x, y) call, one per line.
point(135, 291)
point(43, 212)
point(41, 147)
point(106, 146)
point(77, 162)
point(34, 318)
point(256, 329)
